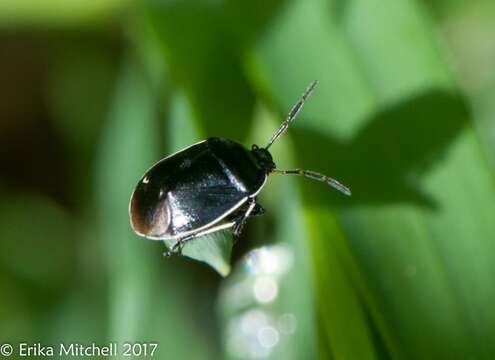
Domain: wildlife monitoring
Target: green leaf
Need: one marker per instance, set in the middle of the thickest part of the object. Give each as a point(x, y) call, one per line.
point(204, 61)
point(343, 317)
point(214, 250)
point(388, 122)
point(53, 13)
point(139, 276)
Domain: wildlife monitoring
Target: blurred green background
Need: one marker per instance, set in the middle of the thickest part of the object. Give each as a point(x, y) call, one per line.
point(93, 92)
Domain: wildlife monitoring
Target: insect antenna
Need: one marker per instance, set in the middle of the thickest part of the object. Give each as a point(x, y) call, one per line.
point(292, 114)
point(316, 176)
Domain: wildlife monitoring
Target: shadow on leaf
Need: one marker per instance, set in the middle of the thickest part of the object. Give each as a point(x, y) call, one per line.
point(385, 160)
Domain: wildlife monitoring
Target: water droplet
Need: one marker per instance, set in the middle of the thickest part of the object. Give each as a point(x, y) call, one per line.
point(287, 323)
point(268, 337)
point(265, 289)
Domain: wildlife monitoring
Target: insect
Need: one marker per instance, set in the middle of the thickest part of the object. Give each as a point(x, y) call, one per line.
point(208, 187)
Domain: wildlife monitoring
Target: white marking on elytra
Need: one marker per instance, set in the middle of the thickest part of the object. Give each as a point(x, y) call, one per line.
point(146, 180)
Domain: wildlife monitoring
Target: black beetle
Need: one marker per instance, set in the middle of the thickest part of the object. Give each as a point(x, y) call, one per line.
point(207, 187)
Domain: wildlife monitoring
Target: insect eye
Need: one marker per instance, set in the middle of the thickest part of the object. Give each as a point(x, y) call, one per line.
point(254, 147)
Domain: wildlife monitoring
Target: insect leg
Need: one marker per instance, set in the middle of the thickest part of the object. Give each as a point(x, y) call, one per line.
point(239, 223)
point(258, 210)
point(179, 245)
point(316, 176)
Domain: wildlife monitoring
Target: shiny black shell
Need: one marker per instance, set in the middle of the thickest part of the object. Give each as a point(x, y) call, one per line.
point(194, 189)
